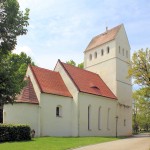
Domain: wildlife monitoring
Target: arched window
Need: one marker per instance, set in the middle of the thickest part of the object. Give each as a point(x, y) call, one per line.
point(123, 51)
point(99, 118)
point(127, 54)
point(102, 52)
point(119, 49)
point(108, 118)
point(95, 54)
point(124, 122)
point(108, 49)
point(59, 111)
point(90, 57)
point(89, 117)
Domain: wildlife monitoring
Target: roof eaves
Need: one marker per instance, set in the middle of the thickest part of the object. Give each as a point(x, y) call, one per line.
point(57, 94)
point(115, 98)
point(87, 50)
point(37, 103)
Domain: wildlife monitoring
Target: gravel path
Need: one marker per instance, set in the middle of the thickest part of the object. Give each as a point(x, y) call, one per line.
point(138, 142)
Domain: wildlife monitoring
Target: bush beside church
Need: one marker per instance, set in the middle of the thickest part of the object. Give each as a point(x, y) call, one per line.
point(10, 132)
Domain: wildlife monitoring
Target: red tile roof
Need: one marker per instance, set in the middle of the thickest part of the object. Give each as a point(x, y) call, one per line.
point(107, 36)
point(28, 94)
point(50, 81)
point(88, 82)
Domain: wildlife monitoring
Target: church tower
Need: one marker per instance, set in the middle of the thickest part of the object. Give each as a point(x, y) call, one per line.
point(108, 55)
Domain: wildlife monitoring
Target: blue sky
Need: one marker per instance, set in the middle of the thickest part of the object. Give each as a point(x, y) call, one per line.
point(61, 29)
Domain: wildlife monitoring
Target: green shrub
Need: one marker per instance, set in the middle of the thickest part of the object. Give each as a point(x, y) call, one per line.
point(10, 132)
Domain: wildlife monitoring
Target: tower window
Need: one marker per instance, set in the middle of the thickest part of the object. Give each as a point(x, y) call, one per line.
point(59, 111)
point(108, 49)
point(123, 51)
point(119, 49)
point(90, 57)
point(95, 54)
point(102, 52)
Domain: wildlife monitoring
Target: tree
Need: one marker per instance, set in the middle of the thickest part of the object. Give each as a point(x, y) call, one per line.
point(81, 65)
point(71, 62)
point(12, 24)
point(12, 72)
point(140, 72)
point(140, 68)
point(141, 116)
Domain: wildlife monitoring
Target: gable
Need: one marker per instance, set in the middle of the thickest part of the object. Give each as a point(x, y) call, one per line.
point(88, 82)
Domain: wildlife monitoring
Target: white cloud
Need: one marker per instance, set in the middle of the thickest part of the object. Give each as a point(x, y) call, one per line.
point(24, 49)
point(63, 28)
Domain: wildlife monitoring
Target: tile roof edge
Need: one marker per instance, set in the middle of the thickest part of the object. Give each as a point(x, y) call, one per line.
point(58, 94)
point(37, 103)
point(100, 95)
point(35, 78)
point(87, 50)
point(68, 75)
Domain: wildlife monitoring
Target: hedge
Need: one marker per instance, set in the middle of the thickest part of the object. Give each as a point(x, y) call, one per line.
point(11, 132)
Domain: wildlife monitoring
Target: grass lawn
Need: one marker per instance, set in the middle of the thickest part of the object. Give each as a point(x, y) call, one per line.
point(54, 143)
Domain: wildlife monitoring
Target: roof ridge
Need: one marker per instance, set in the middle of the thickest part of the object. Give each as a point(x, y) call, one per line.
point(81, 68)
point(43, 68)
point(107, 31)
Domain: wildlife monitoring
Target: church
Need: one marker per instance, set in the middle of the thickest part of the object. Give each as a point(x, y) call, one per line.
point(69, 101)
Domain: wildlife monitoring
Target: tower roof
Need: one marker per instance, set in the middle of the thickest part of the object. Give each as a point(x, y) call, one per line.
point(103, 38)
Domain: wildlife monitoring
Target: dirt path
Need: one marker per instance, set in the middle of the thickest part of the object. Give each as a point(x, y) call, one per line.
point(138, 142)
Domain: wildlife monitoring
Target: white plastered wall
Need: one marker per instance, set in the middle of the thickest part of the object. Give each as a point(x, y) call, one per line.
point(124, 87)
point(96, 102)
point(104, 65)
point(114, 72)
point(51, 125)
point(74, 92)
point(22, 113)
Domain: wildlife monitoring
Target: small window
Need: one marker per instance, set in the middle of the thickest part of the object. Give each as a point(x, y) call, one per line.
point(102, 52)
point(95, 54)
point(89, 117)
point(90, 57)
point(127, 54)
point(124, 122)
point(123, 51)
point(58, 111)
point(108, 49)
point(108, 119)
point(99, 118)
point(119, 49)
